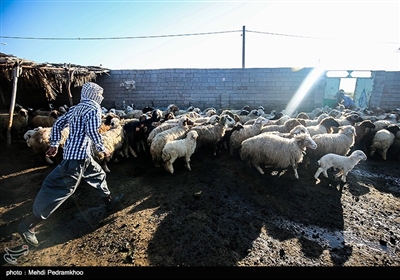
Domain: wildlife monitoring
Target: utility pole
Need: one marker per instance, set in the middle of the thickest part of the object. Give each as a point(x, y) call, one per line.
point(243, 46)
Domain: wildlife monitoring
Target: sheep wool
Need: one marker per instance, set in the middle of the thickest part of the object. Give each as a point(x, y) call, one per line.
point(247, 131)
point(274, 151)
point(114, 140)
point(174, 133)
point(179, 148)
point(383, 139)
point(38, 140)
point(338, 143)
point(344, 163)
point(19, 122)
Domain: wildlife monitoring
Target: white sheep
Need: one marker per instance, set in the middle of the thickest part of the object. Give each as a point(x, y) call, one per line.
point(179, 148)
point(177, 132)
point(343, 163)
point(275, 151)
point(296, 130)
point(38, 139)
point(287, 126)
point(28, 134)
point(324, 126)
point(315, 121)
point(167, 124)
point(383, 139)
point(211, 134)
point(160, 128)
point(207, 120)
point(278, 121)
point(338, 143)
point(247, 131)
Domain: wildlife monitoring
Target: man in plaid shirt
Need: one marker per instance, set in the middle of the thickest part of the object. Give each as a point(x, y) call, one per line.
point(78, 164)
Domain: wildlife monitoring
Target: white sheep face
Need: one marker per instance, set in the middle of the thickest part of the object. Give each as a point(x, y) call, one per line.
point(228, 121)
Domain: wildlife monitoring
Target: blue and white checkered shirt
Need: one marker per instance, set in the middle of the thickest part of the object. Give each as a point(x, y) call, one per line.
point(84, 120)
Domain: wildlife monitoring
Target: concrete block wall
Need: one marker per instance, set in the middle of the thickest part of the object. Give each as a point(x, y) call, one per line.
point(389, 84)
point(271, 88)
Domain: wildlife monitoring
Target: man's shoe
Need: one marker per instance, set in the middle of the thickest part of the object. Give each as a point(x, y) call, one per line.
point(29, 236)
point(110, 203)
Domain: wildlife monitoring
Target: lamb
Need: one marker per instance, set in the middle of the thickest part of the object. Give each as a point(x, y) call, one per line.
point(19, 122)
point(179, 148)
point(344, 163)
point(38, 139)
point(275, 151)
point(383, 139)
point(325, 126)
point(338, 143)
point(113, 140)
point(177, 132)
point(247, 131)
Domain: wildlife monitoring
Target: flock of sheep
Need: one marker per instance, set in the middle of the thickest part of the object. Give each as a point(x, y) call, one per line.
point(326, 138)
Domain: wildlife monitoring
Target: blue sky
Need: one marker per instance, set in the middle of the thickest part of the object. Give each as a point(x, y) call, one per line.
point(354, 35)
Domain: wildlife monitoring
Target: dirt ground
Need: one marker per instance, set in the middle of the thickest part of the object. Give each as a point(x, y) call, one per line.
point(222, 213)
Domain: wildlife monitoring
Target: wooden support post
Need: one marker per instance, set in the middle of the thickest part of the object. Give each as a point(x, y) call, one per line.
point(71, 74)
point(16, 72)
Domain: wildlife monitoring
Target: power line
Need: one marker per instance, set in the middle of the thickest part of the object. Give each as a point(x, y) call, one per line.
point(180, 35)
point(117, 38)
point(315, 38)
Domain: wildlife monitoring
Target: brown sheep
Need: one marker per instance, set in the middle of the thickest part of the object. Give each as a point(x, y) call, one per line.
point(45, 121)
point(19, 122)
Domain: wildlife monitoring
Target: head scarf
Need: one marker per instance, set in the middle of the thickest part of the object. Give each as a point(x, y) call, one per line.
point(92, 91)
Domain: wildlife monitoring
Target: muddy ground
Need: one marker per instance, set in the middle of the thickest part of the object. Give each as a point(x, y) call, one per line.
point(222, 213)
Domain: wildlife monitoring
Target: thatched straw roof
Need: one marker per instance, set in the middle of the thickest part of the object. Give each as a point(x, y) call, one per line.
point(49, 76)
